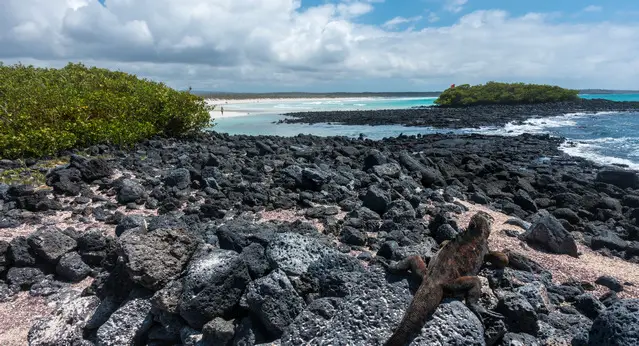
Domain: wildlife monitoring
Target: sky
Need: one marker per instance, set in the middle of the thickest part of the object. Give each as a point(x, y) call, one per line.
point(332, 45)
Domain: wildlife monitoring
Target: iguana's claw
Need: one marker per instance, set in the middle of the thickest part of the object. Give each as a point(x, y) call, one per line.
point(494, 314)
point(480, 311)
point(383, 262)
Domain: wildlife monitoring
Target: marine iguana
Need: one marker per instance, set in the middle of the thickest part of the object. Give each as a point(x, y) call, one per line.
point(450, 272)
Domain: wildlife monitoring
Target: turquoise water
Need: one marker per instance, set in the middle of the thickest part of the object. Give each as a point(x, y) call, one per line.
point(607, 137)
point(613, 97)
point(264, 124)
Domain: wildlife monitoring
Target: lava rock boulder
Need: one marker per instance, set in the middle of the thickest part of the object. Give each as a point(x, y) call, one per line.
point(213, 285)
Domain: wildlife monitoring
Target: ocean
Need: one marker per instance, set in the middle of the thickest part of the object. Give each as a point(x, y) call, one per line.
point(606, 137)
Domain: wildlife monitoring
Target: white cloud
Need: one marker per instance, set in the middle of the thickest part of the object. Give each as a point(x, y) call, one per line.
point(454, 6)
point(433, 17)
point(593, 8)
point(400, 20)
point(354, 9)
point(277, 45)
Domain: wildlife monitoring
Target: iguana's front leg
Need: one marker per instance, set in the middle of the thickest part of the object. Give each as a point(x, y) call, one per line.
point(497, 258)
point(470, 286)
point(416, 265)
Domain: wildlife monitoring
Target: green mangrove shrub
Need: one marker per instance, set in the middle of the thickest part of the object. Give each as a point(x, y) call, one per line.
point(503, 93)
point(45, 110)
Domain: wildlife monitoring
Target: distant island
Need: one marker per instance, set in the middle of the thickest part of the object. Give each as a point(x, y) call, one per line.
point(494, 93)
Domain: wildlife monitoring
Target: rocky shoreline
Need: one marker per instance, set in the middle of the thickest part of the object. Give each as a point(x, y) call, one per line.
point(248, 240)
point(458, 118)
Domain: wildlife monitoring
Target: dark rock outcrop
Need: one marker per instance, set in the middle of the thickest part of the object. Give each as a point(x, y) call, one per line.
point(214, 282)
point(91, 169)
point(72, 268)
point(617, 325)
point(129, 191)
point(547, 232)
point(610, 282)
point(619, 178)
point(155, 258)
point(520, 315)
point(127, 325)
point(49, 244)
point(294, 253)
point(273, 301)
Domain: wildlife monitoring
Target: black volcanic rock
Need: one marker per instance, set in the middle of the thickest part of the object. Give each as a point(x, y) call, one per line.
point(127, 325)
point(608, 239)
point(72, 268)
point(66, 181)
point(619, 178)
point(546, 231)
point(353, 236)
point(91, 169)
point(20, 253)
point(374, 158)
point(273, 301)
point(214, 282)
point(610, 282)
point(24, 277)
point(520, 315)
point(618, 325)
point(376, 200)
point(180, 178)
point(128, 222)
point(304, 281)
point(154, 258)
point(50, 244)
point(589, 305)
point(461, 117)
point(130, 191)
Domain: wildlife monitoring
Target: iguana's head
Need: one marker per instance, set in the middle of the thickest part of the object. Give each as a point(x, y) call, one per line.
point(480, 224)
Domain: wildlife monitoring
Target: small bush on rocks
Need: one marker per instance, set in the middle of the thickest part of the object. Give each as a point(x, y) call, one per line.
point(504, 93)
point(44, 110)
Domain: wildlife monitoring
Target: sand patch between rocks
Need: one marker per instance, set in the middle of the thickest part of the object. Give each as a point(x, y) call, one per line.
point(17, 316)
point(588, 267)
point(292, 215)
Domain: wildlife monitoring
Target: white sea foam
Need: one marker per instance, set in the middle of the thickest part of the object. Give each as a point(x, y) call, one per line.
point(591, 113)
point(588, 151)
point(541, 125)
point(532, 125)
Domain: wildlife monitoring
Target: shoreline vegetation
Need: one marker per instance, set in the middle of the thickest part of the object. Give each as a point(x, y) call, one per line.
point(494, 93)
point(44, 111)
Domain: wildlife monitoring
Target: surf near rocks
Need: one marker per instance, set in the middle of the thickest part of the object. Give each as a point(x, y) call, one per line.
point(459, 117)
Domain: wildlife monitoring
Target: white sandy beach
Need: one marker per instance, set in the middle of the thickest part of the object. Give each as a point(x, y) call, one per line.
point(286, 99)
point(234, 107)
point(217, 114)
point(237, 111)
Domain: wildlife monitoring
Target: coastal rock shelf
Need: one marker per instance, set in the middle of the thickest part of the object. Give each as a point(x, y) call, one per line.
point(249, 240)
point(458, 118)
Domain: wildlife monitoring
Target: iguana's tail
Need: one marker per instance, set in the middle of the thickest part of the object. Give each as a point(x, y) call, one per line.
point(422, 306)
